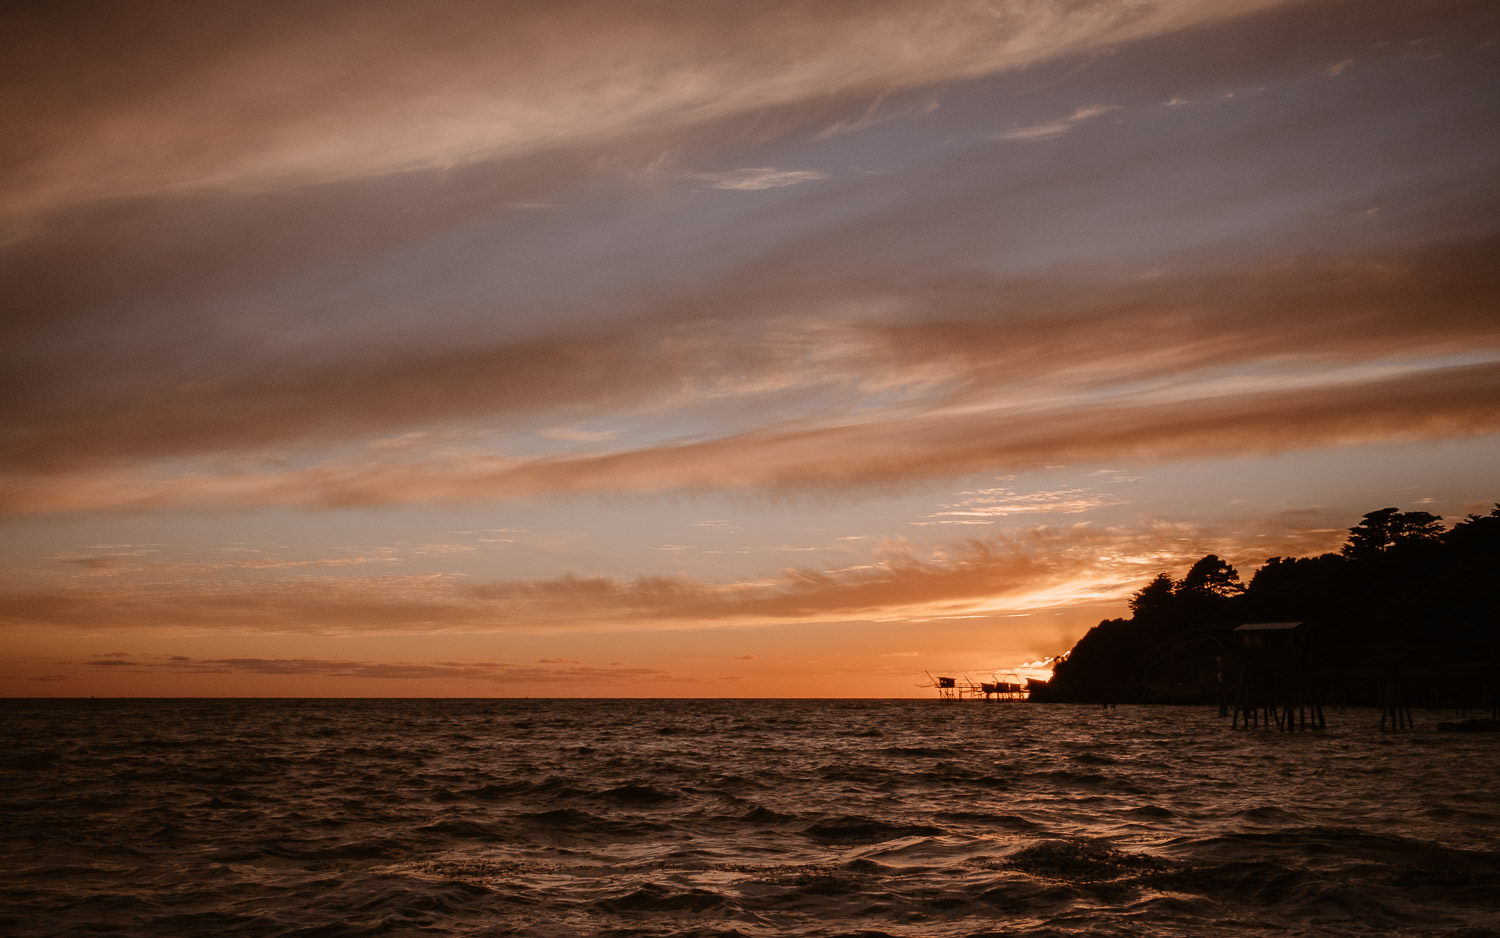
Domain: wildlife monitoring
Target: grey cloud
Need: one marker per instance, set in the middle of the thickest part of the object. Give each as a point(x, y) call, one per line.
point(377, 88)
point(969, 342)
point(95, 561)
point(983, 335)
point(177, 342)
point(860, 457)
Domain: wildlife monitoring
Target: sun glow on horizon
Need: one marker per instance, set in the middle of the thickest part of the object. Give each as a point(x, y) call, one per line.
point(388, 356)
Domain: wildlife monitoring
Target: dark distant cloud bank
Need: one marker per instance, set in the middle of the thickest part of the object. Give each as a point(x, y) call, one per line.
point(490, 671)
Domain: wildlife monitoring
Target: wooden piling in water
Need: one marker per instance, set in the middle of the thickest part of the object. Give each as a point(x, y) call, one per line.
point(1279, 683)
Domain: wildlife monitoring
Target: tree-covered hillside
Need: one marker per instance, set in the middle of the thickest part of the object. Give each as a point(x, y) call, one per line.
point(1401, 580)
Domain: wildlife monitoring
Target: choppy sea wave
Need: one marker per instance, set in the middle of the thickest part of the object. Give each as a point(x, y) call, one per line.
point(754, 818)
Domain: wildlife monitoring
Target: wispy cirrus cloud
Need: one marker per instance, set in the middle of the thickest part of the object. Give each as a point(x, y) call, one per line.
point(1048, 130)
point(1035, 568)
point(1002, 502)
point(878, 451)
point(1047, 347)
point(390, 87)
point(140, 561)
point(760, 178)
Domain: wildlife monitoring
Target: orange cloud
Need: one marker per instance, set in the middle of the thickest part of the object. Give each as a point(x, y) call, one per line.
point(1039, 371)
point(1040, 568)
point(859, 455)
point(387, 87)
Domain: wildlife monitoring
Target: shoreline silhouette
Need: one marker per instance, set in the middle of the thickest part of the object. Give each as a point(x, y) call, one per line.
point(1405, 607)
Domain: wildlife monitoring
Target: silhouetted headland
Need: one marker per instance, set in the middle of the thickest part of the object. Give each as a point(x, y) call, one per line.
point(1407, 613)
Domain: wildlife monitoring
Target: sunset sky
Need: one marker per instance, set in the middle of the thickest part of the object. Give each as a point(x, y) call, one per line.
point(714, 348)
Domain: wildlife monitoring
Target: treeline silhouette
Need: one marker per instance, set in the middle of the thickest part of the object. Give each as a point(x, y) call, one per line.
point(1402, 588)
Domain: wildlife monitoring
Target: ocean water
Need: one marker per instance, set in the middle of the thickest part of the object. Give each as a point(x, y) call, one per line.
point(756, 818)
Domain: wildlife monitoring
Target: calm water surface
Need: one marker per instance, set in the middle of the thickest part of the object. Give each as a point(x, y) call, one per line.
point(756, 818)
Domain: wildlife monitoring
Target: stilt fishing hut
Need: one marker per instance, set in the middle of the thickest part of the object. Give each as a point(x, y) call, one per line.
point(1002, 690)
point(966, 688)
point(947, 687)
point(1279, 681)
